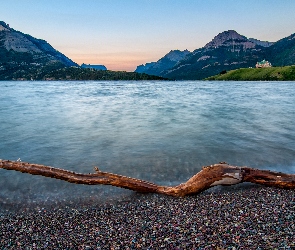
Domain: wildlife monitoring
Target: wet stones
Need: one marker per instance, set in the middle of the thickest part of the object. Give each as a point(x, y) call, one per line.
point(252, 218)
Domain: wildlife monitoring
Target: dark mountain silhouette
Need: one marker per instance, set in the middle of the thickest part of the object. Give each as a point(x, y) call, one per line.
point(282, 53)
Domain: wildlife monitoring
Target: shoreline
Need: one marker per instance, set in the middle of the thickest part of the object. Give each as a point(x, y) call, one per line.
point(244, 218)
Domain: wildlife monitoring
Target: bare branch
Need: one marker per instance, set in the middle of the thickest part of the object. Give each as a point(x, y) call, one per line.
point(217, 174)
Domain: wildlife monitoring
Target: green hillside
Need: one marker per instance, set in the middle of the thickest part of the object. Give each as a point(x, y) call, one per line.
point(286, 73)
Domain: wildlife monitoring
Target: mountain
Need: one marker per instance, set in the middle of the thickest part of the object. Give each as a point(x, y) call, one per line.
point(39, 50)
point(227, 51)
point(165, 63)
point(261, 43)
point(230, 39)
point(282, 53)
point(23, 57)
point(21, 53)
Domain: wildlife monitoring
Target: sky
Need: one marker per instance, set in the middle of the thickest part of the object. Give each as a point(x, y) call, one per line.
point(122, 34)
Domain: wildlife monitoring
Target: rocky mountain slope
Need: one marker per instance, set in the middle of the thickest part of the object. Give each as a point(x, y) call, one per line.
point(261, 43)
point(282, 53)
point(22, 54)
point(165, 63)
point(23, 57)
point(39, 51)
point(227, 51)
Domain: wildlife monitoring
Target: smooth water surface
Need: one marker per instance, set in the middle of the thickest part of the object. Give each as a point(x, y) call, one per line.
point(158, 131)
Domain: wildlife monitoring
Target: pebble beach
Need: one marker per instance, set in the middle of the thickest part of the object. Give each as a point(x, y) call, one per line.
point(251, 217)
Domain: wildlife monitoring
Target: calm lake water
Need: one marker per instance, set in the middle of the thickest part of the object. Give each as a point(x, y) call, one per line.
point(162, 132)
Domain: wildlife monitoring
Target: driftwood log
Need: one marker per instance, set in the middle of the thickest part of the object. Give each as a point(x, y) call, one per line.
point(217, 174)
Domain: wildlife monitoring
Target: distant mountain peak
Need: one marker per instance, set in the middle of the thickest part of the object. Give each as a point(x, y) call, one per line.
point(176, 55)
point(224, 37)
point(226, 51)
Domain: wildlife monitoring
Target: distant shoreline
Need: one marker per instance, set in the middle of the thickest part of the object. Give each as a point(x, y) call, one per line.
point(286, 73)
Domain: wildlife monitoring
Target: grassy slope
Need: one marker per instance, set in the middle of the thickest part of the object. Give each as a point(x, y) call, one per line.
point(286, 73)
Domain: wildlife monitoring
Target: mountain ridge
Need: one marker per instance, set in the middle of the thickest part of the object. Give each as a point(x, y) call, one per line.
point(227, 51)
point(22, 54)
point(164, 63)
point(41, 50)
point(24, 57)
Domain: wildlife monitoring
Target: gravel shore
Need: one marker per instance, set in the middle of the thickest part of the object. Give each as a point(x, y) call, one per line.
point(243, 218)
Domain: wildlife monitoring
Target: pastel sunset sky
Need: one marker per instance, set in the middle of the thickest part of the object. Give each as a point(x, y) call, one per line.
point(122, 34)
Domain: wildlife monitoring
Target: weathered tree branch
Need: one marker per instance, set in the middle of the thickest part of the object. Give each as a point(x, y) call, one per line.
point(217, 174)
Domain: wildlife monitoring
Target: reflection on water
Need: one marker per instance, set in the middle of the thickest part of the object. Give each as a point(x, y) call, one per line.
point(158, 131)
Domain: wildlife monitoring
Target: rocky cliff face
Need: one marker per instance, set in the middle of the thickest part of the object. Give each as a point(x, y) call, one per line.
point(23, 57)
point(230, 39)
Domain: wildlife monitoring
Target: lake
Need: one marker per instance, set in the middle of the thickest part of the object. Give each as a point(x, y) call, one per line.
point(159, 131)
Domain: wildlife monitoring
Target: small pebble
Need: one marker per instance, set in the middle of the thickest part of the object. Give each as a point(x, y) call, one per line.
point(247, 218)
